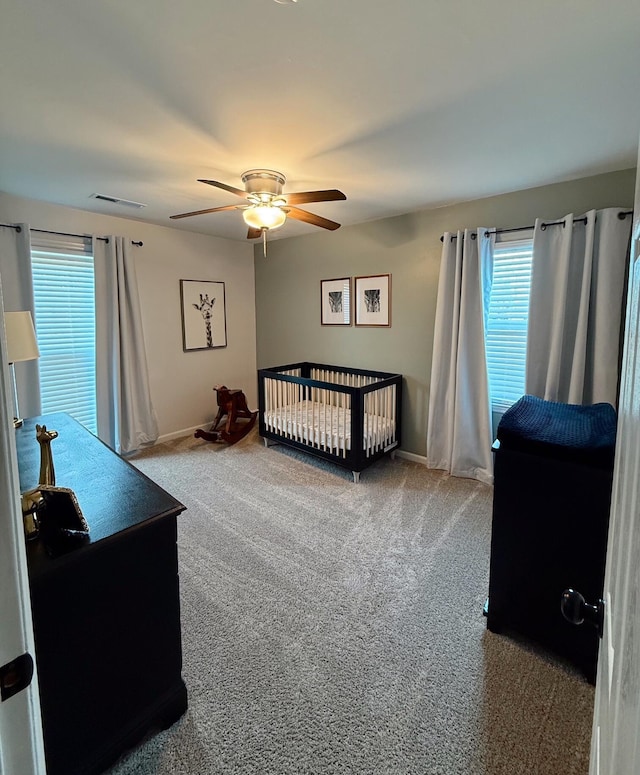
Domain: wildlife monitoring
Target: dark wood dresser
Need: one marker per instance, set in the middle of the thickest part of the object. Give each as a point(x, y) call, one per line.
point(106, 615)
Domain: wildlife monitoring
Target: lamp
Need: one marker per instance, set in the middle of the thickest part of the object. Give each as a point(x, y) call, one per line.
point(21, 346)
point(264, 216)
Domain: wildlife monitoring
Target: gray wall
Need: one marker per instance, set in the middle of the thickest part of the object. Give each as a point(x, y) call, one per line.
point(409, 247)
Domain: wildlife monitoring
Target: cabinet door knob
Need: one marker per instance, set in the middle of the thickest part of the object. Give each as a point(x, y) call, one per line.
point(576, 610)
point(15, 676)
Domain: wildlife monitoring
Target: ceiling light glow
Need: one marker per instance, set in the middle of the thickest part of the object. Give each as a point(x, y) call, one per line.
point(264, 217)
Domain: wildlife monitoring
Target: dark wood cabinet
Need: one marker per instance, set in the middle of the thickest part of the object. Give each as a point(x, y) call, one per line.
point(551, 499)
point(106, 614)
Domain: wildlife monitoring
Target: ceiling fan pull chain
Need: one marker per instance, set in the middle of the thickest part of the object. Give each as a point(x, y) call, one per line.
point(264, 242)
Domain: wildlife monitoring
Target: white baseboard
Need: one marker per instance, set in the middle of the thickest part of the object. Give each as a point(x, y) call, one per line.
point(180, 434)
point(412, 457)
point(190, 431)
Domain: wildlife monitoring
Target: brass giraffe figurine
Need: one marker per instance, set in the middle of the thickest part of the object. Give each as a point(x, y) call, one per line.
point(44, 438)
point(32, 499)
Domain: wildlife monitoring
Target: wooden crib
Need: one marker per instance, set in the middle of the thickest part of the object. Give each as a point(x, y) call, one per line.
point(349, 416)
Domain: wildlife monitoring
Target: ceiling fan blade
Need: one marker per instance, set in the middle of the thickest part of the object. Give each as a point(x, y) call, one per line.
point(254, 233)
point(231, 189)
point(316, 220)
point(204, 212)
point(304, 197)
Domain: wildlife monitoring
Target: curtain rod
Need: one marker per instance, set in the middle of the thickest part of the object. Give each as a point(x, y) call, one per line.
point(62, 233)
point(621, 215)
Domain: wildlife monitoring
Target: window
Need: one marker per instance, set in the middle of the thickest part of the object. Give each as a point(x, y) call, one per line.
point(506, 335)
point(63, 288)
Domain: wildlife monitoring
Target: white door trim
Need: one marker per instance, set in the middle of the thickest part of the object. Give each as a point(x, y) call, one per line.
point(21, 746)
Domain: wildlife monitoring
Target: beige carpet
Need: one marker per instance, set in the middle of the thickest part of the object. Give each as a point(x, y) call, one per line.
point(331, 628)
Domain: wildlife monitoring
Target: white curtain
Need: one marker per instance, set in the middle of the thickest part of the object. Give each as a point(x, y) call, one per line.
point(575, 313)
point(15, 273)
point(126, 420)
point(459, 431)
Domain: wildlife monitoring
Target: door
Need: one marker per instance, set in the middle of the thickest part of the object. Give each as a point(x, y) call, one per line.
point(615, 742)
point(21, 747)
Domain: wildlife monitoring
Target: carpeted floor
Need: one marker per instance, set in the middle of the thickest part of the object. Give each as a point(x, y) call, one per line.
point(331, 628)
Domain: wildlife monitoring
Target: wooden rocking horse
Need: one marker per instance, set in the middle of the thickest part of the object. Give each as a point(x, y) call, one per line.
point(233, 404)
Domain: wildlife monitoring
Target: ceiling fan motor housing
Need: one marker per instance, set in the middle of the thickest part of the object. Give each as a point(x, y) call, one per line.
point(263, 182)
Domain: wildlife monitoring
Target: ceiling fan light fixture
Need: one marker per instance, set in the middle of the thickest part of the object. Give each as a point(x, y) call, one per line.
point(264, 216)
point(268, 208)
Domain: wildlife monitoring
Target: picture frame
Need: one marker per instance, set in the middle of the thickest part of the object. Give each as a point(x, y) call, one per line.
point(335, 302)
point(372, 295)
point(204, 315)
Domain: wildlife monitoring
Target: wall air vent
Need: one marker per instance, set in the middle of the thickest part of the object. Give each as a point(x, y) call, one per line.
point(117, 201)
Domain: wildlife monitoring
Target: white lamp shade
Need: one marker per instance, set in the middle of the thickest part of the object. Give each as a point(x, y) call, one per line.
point(264, 216)
point(21, 337)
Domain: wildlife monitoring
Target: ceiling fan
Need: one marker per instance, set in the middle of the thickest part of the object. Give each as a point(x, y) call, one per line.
point(268, 208)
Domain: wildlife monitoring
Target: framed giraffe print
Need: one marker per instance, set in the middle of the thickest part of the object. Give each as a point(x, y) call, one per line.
point(335, 302)
point(373, 300)
point(204, 315)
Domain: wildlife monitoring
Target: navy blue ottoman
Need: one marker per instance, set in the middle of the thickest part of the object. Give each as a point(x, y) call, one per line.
point(552, 493)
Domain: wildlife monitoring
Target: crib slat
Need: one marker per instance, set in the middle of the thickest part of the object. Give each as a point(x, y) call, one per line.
point(300, 418)
point(366, 402)
point(344, 427)
point(374, 444)
point(324, 420)
point(275, 395)
point(283, 402)
point(331, 425)
point(372, 423)
point(316, 426)
point(393, 414)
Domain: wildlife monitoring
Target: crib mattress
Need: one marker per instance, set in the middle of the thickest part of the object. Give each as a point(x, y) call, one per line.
point(326, 426)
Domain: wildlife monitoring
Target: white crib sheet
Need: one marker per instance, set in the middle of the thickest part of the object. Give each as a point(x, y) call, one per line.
point(326, 426)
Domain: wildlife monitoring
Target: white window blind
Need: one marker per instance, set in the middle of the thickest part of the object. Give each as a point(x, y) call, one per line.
point(63, 287)
point(506, 336)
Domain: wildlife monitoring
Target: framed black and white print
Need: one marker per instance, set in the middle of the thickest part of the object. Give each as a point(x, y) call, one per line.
point(335, 302)
point(373, 300)
point(204, 315)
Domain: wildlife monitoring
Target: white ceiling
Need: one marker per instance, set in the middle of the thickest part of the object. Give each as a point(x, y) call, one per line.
point(402, 105)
